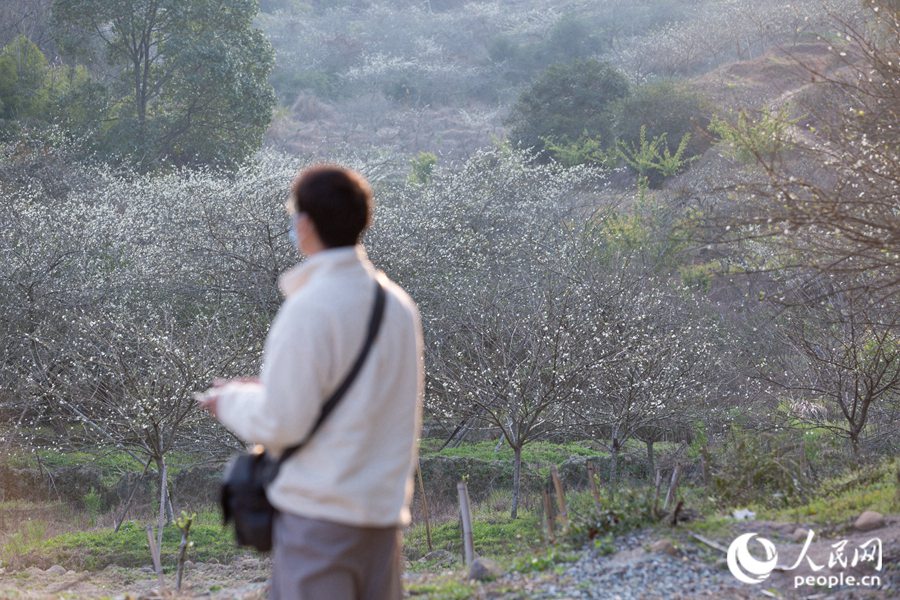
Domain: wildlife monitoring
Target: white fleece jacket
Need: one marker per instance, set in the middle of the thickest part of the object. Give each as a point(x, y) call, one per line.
point(358, 467)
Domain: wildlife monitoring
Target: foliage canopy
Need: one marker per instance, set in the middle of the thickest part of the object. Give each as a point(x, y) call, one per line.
point(567, 101)
point(189, 78)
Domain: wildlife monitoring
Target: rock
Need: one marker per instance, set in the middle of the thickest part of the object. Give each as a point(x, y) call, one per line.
point(2, 571)
point(188, 564)
point(56, 570)
point(442, 558)
point(800, 534)
point(868, 521)
point(743, 514)
point(248, 563)
point(146, 569)
point(70, 573)
point(664, 546)
point(484, 569)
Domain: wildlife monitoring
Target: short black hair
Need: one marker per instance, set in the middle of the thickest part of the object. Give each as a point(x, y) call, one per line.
point(338, 200)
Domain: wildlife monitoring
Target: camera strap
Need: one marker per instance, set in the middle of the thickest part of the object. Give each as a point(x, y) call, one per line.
point(335, 397)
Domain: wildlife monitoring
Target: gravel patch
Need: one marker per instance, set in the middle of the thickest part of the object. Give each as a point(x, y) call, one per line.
point(632, 572)
point(690, 571)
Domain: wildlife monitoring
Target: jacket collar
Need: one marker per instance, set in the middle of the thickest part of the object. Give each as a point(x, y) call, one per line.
point(296, 277)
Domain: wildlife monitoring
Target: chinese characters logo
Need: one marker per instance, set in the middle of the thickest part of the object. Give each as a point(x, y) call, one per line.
point(751, 570)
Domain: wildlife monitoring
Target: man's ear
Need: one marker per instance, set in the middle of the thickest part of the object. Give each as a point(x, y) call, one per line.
point(306, 226)
point(309, 235)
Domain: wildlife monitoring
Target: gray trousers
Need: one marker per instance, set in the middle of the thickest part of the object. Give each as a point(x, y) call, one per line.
point(321, 560)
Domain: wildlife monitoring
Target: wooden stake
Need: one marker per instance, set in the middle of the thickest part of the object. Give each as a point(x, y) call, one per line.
point(673, 485)
point(424, 505)
point(548, 516)
point(560, 498)
point(656, 494)
point(465, 514)
point(595, 490)
point(155, 554)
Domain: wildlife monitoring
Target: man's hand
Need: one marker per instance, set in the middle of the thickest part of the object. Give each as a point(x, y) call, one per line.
point(209, 400)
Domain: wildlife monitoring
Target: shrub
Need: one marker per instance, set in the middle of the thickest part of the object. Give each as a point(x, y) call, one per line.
point(422, 166)
point(93, 503)
point(652, 160)
point(568, 101)
point(748, 138)
point(632, 508)
point(664, 107)
point(582, 151)
point(23, 80)
point(762, 468)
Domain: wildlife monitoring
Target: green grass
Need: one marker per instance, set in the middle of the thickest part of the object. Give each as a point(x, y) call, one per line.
point(110, 462)
point(29, 535)
point(96, 549)
point(843, 498)
point(543, 560)
point(494, 533)
point(716, 524)
point(442, 588)
point(534, 453)
point(837, 501)
point(516, 544)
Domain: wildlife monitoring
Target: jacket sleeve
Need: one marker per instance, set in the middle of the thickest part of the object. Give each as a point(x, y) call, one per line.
point(280, 411)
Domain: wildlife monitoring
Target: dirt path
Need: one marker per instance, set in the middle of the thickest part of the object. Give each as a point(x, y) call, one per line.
point(244, 579)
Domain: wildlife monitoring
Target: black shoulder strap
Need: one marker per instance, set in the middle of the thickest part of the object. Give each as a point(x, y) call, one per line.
point(335, 398)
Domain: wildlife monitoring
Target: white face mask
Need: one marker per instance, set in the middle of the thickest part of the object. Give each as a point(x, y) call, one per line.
point(292, 231)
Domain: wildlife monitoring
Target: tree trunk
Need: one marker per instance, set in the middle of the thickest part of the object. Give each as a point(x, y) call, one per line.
point(517, 481)
point(704, 464)
point(651, 467)
point(163, 499)
point(613, 468)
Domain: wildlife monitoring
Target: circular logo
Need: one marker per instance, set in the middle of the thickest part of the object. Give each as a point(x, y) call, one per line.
point(744, 566)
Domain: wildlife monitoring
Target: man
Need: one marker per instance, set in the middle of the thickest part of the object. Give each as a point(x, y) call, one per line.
point(344, 496)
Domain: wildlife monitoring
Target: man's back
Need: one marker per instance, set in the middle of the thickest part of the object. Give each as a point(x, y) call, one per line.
point(357, 468)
